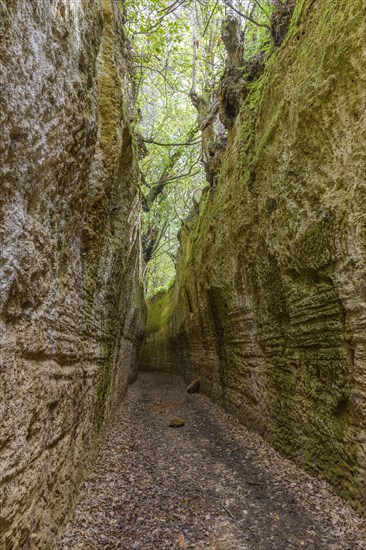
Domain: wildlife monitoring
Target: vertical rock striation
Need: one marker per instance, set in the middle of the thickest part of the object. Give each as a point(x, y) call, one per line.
point(269, 305)
point(70, 291)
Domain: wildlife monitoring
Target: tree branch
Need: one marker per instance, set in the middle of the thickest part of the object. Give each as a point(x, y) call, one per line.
point(158, 187)
point(172, 7)
point(209, 19)
point(146, 140)
point(173, 178)
point(247, 17)
point(158, 23)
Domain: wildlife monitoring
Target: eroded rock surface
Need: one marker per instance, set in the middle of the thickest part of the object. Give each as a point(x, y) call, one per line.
point(69, 253)
point(269, 308)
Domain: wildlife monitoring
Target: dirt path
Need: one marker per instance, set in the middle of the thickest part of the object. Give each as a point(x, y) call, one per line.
point(210, 484)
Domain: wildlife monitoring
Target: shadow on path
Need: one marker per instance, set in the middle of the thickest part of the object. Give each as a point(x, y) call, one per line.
point(210, 484)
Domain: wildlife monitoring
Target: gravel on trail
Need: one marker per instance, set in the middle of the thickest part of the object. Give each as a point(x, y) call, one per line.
point(208, 483)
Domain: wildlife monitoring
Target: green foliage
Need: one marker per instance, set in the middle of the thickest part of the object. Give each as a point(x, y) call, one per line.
point(178, 50)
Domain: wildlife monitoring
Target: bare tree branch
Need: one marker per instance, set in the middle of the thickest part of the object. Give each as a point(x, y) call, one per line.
point(166, 176)
point(187, 143)
point(173, 178)
point(168, 10)
point(247, 17)
point(209, 19)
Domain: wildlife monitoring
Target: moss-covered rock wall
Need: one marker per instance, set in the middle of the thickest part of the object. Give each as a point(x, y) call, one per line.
point(70, 284)
point(269, 305)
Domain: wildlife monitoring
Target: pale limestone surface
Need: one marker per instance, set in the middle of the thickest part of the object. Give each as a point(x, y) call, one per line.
point(70, 283)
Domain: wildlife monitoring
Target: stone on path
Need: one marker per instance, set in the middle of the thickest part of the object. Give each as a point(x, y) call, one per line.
point(212, 486)
point(176, 423)
point(194, 387)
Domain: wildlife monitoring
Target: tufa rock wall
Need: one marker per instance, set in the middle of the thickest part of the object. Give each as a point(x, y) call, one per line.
point(70, 291)
point(269, 305)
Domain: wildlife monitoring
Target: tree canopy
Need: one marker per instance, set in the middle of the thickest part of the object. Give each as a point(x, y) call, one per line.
point(182, 51)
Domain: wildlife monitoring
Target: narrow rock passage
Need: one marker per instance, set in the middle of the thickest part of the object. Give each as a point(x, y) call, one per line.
point(210, 484)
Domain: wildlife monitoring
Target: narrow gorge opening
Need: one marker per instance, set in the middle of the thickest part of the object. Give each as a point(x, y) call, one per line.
point(182, 266)
point(193, 63)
